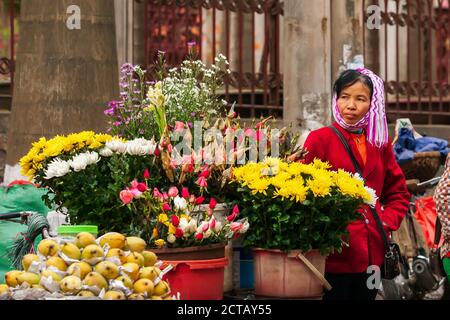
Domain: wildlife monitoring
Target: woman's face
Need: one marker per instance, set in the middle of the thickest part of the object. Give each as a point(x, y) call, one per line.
point(354, 102)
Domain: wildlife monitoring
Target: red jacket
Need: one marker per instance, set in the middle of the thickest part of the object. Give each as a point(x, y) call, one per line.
point(382, 174)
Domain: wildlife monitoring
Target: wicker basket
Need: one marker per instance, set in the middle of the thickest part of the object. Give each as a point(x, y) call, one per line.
point(423, 167)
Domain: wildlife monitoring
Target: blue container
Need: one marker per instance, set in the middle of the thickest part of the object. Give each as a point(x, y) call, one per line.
point(245, 272)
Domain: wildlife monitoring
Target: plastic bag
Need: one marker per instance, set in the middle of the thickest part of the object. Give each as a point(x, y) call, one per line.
point(18, 197)
point(426, 217)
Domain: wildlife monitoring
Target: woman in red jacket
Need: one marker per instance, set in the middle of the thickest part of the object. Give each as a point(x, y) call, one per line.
point(358, 110)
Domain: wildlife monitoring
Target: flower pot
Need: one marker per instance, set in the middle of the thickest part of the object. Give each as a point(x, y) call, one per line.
point(220, 213)
point(193, 267)
point(279, 274)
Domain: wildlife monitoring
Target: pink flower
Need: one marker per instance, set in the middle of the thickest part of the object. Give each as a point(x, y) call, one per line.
point(210, 212)
point(134, 184)
point(173, 164)
point(157, 194)
point(192, 198)
point(126, 196)
point(173, 192)
point(175, 220)
point(212, 223)
point(259, 135)
point(185, 193)
point(231, 217)
point(236, 226)
point(165, 196)
point(205, 173)
point(235, 209)
point(201, 181)
point(146, 174)
point(156, 153)
point(166, 207)
point(199, 236)
point(135, 192)
point(179, 126)
point(179, 233)
point(142, 187)
point(212, 203)
point(170, 148)
point(205, 227)
point(199, 200)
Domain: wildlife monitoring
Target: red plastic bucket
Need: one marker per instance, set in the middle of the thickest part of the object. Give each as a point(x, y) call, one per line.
point(197, 279)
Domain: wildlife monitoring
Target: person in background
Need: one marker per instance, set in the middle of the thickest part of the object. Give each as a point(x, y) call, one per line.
point(358, 110)
point(441, 198)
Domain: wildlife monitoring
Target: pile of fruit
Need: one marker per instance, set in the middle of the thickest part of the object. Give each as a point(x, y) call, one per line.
point(112, 267)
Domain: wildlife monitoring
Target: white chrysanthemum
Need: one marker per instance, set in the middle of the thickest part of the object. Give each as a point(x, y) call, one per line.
point(373, 195)
point(106, 152)
point(116, 146)
point(57, 168)
point(140, 147)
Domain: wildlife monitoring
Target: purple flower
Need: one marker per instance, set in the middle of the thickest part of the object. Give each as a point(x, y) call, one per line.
point(142, 131)
point(124, 85)
point(193, 114)
point(192, 44)
point(109, 112)
point(127, 68)
point(190, 124)
point(123, 94)
point(117, 123)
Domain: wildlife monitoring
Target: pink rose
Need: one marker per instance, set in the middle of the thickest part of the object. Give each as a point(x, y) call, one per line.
point(212, 223)
point(146, 174)
point(185, 193)
point(236, 226)
point(126, 196)
point(199, 236)
point(212, 203)
point(173, 192)
point(179, 126)
point(199, 200)
point(157, 194)
point(236, 209)
point(136, 193)
point(142, 187)
point(166, 207)
point(201, 181)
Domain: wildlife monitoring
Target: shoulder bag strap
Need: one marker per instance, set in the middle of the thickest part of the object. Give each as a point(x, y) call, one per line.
point(358, 169)
point(437, 231)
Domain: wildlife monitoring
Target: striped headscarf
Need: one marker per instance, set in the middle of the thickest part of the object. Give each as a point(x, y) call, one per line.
point(374, 122)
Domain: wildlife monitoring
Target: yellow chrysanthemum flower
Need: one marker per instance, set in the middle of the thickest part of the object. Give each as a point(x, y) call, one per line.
point(160, 243)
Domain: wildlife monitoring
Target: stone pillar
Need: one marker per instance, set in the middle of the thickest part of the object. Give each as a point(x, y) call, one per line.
point(346, 35)
point(64, 78)
point(124, 30)
point(307, 63)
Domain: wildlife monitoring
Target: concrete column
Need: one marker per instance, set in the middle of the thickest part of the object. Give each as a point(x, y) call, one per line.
point(64, 78)
point(124, 30)
point(307, 64)
point(346, 35)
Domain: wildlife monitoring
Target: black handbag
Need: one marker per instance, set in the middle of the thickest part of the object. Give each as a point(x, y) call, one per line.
point(392, 258)
point(436, 265)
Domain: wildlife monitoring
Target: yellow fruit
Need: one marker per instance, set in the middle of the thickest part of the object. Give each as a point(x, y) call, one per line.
point(107, 269)
point(136, 258)
point(149, 273)
point(56, 262)
point(150, 258)
point(48, 247)
point(168, 298)
point(155, 298)
point(114, 295)
point(28, 277)
point(136, 244)
point(161, 289)
point(4, 290)
point(117, 253)
point(127, 282)
point(136, 296)
point(86, 294)
point(37, 286)
point(83, 239)
point(50, 274)
point(95, 279)
point(71, 284)
point(92, 251)
point(113, 239)
point(79, 269)
point(132, 270)
point(11, 278)
point(144, 286)
point(28, 259)
point(71, 251)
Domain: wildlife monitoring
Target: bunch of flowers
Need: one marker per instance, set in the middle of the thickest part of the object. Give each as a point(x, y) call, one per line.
point(184, 94)
point(174, 219)
point(306, 206)
point(84, 174)
point(44, 151)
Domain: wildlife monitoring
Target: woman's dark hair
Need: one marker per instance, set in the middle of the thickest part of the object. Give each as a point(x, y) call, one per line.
point(349, 78)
